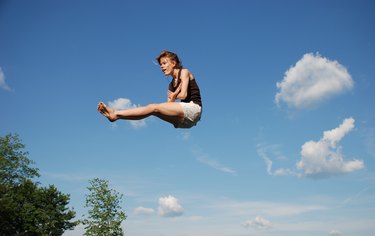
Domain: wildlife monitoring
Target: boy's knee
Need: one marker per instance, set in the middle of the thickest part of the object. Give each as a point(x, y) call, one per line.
point(154, 108)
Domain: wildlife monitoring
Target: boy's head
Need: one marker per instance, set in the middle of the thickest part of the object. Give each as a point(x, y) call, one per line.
point(172, 56)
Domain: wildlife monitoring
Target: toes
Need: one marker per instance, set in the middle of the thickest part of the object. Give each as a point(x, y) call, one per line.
point(102, 107)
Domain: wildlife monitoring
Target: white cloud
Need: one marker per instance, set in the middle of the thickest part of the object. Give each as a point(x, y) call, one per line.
point(3, 84)
point(216, 165)
point(144, 211)
point(205, 159)
point(258, 223)
point(334, 233)
point(311, 81)
point(324, 157)
point(169, 207)
point(271, 209)
point(264, 151)
point(123, 104)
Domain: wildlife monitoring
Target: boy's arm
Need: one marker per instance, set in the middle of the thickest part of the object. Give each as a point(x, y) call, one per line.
point(185, 77)
point(172, 95)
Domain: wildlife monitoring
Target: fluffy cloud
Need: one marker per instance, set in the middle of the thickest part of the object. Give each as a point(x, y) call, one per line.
point(258, 223)
point(123, 104)
point(3, 85)
point(324, 157)
point(144, 211)
point(169, 207)
point(312, 80)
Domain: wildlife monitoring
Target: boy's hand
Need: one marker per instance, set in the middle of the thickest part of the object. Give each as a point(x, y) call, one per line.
point(172, 95)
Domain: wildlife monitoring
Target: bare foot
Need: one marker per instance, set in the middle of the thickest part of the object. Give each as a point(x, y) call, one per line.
point(107, 112)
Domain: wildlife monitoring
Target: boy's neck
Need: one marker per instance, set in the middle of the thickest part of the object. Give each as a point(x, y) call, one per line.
point(175, 73)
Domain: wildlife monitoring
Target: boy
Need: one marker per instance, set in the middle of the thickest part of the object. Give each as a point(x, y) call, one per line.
point(183, 87)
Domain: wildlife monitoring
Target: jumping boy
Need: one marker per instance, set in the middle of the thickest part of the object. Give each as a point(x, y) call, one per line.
point(183, 114)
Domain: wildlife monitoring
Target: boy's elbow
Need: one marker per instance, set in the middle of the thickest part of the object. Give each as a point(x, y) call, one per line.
point(182, 96)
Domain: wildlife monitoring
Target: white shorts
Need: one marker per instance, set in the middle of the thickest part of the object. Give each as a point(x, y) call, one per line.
point(192, 114)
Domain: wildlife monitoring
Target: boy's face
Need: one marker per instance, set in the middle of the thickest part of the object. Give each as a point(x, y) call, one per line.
point(167, 65)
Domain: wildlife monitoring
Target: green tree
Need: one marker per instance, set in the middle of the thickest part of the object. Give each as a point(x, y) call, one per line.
point(105, 212)
point(25, 207)
point(14, 164)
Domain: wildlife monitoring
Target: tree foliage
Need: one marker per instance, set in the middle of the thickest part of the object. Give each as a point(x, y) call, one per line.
point(14, 164)
point(105, 212)
point(25, 207)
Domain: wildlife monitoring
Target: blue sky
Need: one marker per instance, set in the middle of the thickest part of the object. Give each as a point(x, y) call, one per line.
point(286, 144)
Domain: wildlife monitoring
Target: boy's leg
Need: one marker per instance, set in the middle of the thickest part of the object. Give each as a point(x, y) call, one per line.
point(169, 111)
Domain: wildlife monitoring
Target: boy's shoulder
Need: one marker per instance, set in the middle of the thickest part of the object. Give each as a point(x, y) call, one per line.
point(185, 71)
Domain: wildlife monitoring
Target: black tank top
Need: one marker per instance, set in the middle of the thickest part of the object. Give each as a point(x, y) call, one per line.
point(193, 92)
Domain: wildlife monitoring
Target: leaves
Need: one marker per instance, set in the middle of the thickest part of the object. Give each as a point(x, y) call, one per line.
point(14, 164)
point(105, 212)
point(25, 207)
